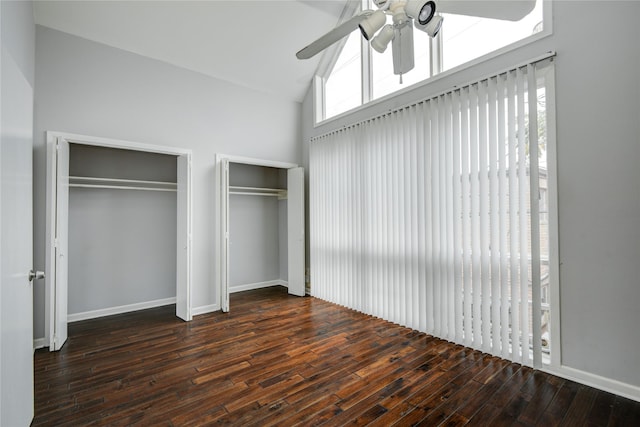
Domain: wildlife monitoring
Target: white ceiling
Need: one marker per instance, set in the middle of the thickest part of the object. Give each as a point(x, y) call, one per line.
point(248, 42)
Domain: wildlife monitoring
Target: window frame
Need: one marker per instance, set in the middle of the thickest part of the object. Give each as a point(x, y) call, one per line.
point(330, 57)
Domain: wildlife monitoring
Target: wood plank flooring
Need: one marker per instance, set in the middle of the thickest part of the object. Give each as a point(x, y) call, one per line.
point(282, 360)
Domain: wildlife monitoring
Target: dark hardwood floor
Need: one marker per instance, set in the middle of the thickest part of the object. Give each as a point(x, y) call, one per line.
point(281, 360)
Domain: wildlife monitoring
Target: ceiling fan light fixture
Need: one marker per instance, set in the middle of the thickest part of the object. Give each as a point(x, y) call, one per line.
point(432, 28)
point(420, 10)
point(381, 41)
point(372, 24)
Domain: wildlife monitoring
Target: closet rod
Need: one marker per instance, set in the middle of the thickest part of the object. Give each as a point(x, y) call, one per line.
point(121, 187)
point(118, 181)
point(244, 193)
point(256, 189)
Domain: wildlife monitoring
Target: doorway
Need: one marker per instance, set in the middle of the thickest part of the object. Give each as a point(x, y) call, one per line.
point(59, 182)
point(289, 187)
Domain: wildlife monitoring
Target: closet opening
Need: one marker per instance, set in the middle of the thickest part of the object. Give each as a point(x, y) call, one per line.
point(261, 226)
point(118, 230)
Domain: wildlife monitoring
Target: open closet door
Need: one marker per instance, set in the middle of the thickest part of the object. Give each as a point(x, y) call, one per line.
point(183, 261)
point(58, 334)
point(295, 224)
point(224, 230)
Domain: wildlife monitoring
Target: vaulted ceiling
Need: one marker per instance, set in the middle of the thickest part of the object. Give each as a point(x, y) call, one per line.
point(248, 42)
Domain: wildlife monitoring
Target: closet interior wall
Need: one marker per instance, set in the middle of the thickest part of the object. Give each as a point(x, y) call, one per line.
point(122, 228)
point(257, 228)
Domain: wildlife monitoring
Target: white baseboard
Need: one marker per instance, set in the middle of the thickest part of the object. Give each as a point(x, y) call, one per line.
point(592, 380)
point(257, 285)
point(39, 343)
point(205, 309)
point(76, 317)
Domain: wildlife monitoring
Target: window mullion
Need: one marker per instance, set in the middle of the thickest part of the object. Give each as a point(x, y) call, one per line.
point(365, 57)
point(367, 86)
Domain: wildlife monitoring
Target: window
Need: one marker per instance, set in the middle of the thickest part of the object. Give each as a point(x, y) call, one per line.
point(465, 38)
point(342, 88)
point(424, 215)
point(361, 75)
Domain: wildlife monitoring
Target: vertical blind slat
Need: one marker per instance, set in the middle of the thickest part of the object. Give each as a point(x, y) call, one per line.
point(415, 235)
point(503, 220)
point(450, 283)
point(428, 151)
point(466, 218)
point(442, 140)
point(397, 222)
point(475, 219)
point(436, 200)
point(378, 233)
point(484, 219)
point(494, 217)
point(536, 311)
point(422, 220)
point(514, 274)
point(457, 228)
point(389, 206)
point(405, 233)
point(522, 211)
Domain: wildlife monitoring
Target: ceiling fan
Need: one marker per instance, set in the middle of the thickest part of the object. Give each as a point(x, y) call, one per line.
point(422, 13)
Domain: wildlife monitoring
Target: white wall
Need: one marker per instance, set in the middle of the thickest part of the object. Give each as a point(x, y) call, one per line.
point(598, 97)
point(122, 248)
point(18, 36)
point(88, 88)
point(598, 149)
point(253, 240)
point(258, 227)
point(103, 162)
point(122, 243)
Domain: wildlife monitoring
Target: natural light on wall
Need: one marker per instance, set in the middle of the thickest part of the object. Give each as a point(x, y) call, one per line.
point(462, 39)
point(343, 87)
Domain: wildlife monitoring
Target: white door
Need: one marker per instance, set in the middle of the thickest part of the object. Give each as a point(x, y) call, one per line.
point(16, 251)
point(224, 230)
point(58, 335)
point(295, 230)
point(183, 297)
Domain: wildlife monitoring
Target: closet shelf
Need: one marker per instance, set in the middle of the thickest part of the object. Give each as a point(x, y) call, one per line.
point(121, 184)
point(258, 191)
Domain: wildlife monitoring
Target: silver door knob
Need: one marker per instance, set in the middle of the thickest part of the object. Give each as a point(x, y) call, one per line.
point(35, 275)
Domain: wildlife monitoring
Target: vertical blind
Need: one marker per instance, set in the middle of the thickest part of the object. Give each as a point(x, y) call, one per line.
point(424, 216)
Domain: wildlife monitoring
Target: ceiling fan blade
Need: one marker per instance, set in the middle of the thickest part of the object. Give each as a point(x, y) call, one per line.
point(333, 36)
point(509, 10)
